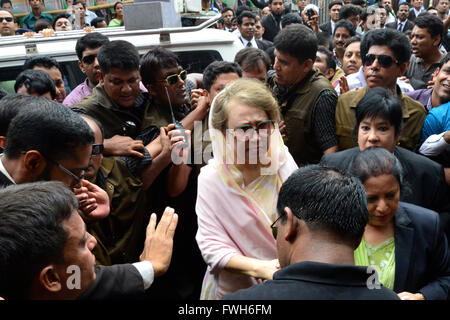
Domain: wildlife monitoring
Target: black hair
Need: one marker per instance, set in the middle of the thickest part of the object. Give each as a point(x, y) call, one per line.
point(37, 81)
point(245, 14)
point(43, 62)
point(326, 199)
point(429, 21)
point(92, 40)
point(96, 21)
point(431, 8)
point(64, 15)
point(216, 68)
point(2, 2)
point(346, 25)
point(380, 102)
point(395, 40)
point(331, 62)
point(249, 58)
point(365, 13)
point(374, 162)
point(356, 38)
point(32, 233)
point(358, 2)
point(118, 54)
point(41, 24)
point(154, 60)
point(297, 40)
point(225, 9)
point(290, 18)
point(444, 60)
point(349, 10)
point(240, 9)
point(325, 39)
point(78, 1)
point(333, 3)
point(10, 105)
point(48, 127)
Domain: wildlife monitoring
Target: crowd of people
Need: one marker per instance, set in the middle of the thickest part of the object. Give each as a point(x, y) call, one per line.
point(75, 16)
point(316, 161)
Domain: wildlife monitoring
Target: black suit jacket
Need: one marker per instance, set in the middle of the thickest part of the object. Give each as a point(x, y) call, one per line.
point(412, 16)
point(113, 282)
point(425, 178)
point(315, 281)
point(4, 181)
point(422, 259)
point(263, 44)
point(271, 26)
point(326, 27)
point(408, 25)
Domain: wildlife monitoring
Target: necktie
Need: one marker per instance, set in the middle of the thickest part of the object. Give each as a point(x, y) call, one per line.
point(249, 44)
point(399, 26)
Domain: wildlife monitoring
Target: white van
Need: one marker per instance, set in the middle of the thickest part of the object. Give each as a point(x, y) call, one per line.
point(196, 47)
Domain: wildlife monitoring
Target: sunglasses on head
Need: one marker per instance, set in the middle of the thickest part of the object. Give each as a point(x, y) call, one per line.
point(173, 78)
point(89, 59)
point(384, 60)
point(97, 149)
point(8, 19)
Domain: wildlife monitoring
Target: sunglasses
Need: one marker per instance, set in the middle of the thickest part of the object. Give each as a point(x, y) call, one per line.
point(274, 228)
point(173, 78)
point(67, 171)
point(89, 59)
point(384, 60)
point(8, 19)
point(97, 149)
point(264, 129)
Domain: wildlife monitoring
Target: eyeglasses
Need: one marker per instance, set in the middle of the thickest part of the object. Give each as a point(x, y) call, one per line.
point(8, 19)
point(67, 171)
point(264, 129)
point(89, 59)
point(384, 60)
point(97, 149)
point(274, 228)
point(173, 78)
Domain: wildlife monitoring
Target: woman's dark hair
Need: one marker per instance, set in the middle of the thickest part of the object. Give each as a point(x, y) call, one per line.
point(375, 162)
point(380, 102)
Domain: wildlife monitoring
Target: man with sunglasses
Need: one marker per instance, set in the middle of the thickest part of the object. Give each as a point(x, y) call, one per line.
point(322, 213)
point(87, 48)
point(385, 56)
point(7, 25)
point(164, 78)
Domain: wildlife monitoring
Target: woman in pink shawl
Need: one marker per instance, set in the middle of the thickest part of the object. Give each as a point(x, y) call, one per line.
point(238, 189)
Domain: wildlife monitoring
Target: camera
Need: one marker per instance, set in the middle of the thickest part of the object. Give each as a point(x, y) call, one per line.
point(310, 13)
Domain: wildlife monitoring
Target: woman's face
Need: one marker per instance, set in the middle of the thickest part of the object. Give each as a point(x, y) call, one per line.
point(376, 132)
point(119, 10)
point(383, 195)
point(249, 143)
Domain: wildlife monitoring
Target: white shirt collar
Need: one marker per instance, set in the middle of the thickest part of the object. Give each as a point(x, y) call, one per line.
point(3, 170)
point(253, 42)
